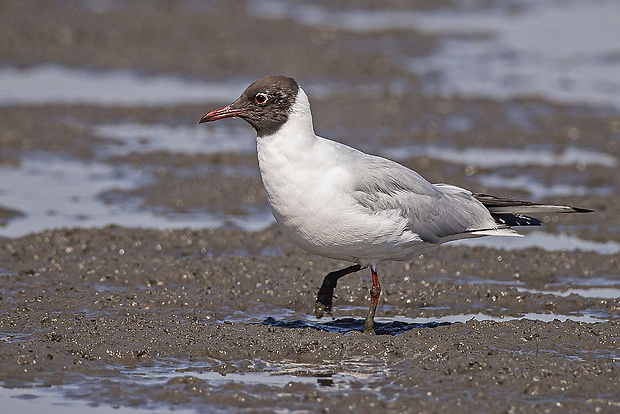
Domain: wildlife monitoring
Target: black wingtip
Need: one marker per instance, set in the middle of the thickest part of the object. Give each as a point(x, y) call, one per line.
point(515, 220)
point(581, 210)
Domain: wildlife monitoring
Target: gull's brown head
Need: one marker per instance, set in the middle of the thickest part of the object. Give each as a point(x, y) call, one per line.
point(265, 104)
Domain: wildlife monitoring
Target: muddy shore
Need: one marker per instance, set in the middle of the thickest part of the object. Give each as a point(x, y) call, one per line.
point(87, 305)
point(220, 320)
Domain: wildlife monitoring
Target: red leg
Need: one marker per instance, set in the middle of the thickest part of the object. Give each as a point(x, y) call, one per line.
point(375, 292)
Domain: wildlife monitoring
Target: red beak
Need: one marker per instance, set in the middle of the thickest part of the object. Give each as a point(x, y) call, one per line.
point(225, 112)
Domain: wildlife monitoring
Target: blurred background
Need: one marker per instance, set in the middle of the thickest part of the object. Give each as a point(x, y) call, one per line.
point(100, 99)
point(99, 108)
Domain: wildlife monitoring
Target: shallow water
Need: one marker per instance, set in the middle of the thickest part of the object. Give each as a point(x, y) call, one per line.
point(69, 399)
point(593, 292)
point(539, 190)
point(200, 320)
point(398, 324)
point(38, 188)
point(188, 139)
point(53, 84)
point(546, 241)
point(53, 400)
point(561, 51)
point(502, 157)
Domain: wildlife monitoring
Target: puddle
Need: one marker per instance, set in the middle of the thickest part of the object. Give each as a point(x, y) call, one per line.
point(463, 318)
point(189, 139)
point(501, 157)
point(334, 372)
point(258, 314)
point(590, 281)
point(15, 337)
point(595, 292)
point(538, 190)
point(562, 51)
point(588, 287)
point(164, 373)
point(352, 20)
point(396, 325)
point(39, 188)
point(76, 398)
point(52, 84)
point(546, 241)
point(601, 288)
point(50, 400)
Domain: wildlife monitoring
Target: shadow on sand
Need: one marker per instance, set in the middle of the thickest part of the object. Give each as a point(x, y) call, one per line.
point(344, 325)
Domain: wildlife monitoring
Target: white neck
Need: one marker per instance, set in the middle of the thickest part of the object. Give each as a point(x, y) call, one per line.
point(297, 131)
point(284, 159)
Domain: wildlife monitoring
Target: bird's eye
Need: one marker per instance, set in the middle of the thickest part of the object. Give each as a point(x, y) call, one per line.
point(260, 98)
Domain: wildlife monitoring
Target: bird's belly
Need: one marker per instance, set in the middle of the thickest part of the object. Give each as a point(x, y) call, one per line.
point(311, 221)
point(338, 227)
point(310, 198)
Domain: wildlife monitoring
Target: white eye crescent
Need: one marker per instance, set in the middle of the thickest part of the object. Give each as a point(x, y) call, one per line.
point(260, 98)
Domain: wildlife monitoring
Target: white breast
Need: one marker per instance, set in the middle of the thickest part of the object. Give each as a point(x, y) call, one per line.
point(307, 189)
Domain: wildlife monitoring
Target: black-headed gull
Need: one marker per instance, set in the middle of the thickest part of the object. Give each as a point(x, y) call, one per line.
point(341, 203)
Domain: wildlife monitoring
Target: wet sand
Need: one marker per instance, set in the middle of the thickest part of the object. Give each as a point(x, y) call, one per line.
point(88, 307)
point(219, 320)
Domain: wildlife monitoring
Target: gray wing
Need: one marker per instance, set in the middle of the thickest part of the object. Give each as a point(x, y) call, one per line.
point(433, 211)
